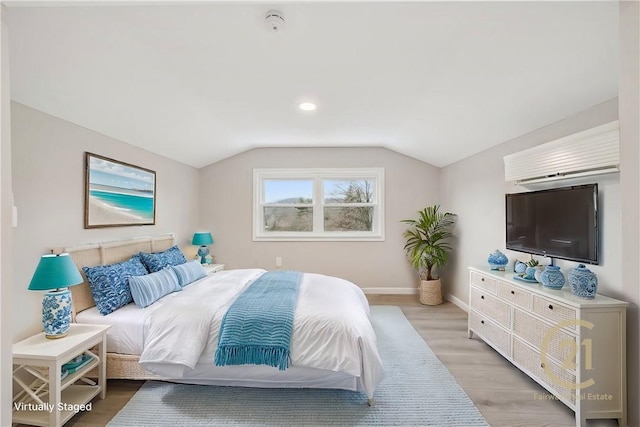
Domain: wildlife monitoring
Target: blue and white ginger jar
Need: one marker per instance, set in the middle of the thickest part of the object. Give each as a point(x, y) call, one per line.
point(552, 277)
point(583, 282)
point(497, 260)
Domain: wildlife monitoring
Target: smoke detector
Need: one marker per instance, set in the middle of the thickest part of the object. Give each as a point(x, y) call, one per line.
point(274, 21)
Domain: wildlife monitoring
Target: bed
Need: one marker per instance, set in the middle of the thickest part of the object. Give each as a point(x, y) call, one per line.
point(333, 344)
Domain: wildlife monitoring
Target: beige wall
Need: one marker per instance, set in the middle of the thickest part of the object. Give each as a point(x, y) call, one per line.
point(226, 191)
point(48, 183)
point(6, 231)
point(629, 94)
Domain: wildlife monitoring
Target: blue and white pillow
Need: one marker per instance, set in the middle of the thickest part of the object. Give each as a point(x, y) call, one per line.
point(158, 260)
point(189, 272)
point(150, 288)
point(110, 283)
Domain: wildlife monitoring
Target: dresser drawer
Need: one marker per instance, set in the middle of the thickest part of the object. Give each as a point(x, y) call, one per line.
point(554, 341)
point(490, 332)
point(559, 379)
point(516, 296)
point(485, 303)
point(481, 281)
point(553, 312)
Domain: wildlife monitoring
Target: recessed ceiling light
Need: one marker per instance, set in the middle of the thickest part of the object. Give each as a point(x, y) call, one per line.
point(307, 106)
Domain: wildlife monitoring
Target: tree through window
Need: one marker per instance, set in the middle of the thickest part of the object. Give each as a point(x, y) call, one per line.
point(318, 204)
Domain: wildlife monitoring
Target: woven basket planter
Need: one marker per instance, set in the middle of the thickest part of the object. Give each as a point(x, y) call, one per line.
point(430, 292)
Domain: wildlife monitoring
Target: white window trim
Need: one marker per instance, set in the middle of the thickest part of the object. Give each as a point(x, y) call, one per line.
point(317, 174)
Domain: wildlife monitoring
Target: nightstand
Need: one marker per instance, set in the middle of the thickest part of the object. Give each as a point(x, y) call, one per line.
point(213, 268)
point(38, 372)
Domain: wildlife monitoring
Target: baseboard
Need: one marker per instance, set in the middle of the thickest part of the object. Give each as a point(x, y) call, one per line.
point(458, 302)
point(390, 291)
point(413, 291)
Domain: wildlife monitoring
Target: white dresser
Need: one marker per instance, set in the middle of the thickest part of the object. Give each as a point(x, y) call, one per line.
point(574, 348)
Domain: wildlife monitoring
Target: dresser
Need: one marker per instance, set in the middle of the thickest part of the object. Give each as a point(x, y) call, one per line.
point(574, 348)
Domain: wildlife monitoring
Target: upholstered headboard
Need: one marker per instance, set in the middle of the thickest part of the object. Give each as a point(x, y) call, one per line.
point(109, 253)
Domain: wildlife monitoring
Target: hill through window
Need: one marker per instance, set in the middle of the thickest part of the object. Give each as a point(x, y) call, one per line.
point(318, 204)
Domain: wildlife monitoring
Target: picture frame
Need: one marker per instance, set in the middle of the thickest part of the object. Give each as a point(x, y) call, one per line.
point(118, 194)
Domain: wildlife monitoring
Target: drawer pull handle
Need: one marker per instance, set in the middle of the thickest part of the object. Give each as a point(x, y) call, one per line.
point(482, 321)
point(481, 296)
point(550, 307)
point(513, 292)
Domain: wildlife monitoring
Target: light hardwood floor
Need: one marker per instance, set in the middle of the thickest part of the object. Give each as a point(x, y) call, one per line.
point(504, 395)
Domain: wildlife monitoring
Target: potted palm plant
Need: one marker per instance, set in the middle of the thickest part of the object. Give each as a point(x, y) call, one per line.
point(427, 246)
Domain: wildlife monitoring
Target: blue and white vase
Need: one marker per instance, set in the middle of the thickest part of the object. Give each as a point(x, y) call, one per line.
point(583, 282)
point(56, 313)
point(497, 260)
point(552, 277)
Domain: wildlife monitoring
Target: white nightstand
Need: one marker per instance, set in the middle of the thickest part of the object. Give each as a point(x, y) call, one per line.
point(213, 268)
point(65, 395)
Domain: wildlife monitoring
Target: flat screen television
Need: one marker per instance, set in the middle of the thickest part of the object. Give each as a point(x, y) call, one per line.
point(557, 223)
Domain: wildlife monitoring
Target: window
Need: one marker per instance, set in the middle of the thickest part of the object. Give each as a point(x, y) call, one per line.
point(318, 204)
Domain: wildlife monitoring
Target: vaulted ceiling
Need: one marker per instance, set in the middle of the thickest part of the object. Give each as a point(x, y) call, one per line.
point(199, 82)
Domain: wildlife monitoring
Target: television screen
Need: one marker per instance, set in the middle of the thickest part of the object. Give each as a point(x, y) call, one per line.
point(557, 223)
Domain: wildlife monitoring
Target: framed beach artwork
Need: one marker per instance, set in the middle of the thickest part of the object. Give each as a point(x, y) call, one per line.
point(118, 194)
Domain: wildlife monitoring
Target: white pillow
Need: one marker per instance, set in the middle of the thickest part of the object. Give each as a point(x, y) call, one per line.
point(150, 288)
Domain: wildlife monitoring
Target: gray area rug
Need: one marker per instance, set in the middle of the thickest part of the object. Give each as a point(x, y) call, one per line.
point(417, 391)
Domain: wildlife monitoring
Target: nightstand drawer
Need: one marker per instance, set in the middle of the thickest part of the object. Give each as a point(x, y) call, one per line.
point(213, 268)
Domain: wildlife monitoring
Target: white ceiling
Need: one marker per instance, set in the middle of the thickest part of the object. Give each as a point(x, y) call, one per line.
point(199, 82)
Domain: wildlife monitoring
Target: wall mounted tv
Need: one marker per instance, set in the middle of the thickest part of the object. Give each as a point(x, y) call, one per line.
point(557, 223)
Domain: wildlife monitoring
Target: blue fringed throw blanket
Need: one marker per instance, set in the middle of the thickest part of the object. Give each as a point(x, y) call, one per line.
point(256, 330)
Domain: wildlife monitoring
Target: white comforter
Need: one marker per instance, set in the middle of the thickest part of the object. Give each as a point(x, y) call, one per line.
point(332, 328)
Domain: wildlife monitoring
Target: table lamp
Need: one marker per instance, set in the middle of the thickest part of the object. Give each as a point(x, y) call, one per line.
point(55, 273)
point(203, 239)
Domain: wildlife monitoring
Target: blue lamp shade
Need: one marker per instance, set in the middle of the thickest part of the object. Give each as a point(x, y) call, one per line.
point(202, 239)
point(55, 273)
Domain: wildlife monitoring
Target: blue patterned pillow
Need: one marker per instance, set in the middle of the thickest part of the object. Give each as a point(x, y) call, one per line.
point(159, 260)
point(189, 272)
point(150, 288)
point(110, 283)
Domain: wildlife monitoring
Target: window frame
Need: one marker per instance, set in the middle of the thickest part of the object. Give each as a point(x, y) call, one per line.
point(318, 175)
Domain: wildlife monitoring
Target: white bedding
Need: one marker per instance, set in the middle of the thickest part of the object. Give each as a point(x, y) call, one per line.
point(333, 341)
point(126, 335)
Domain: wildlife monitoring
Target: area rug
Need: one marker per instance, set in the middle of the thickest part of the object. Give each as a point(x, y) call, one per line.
point(417, 391)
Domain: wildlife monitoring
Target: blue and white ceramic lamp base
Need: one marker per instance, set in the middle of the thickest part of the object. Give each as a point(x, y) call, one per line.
point(56, 313)
point(203, 251)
